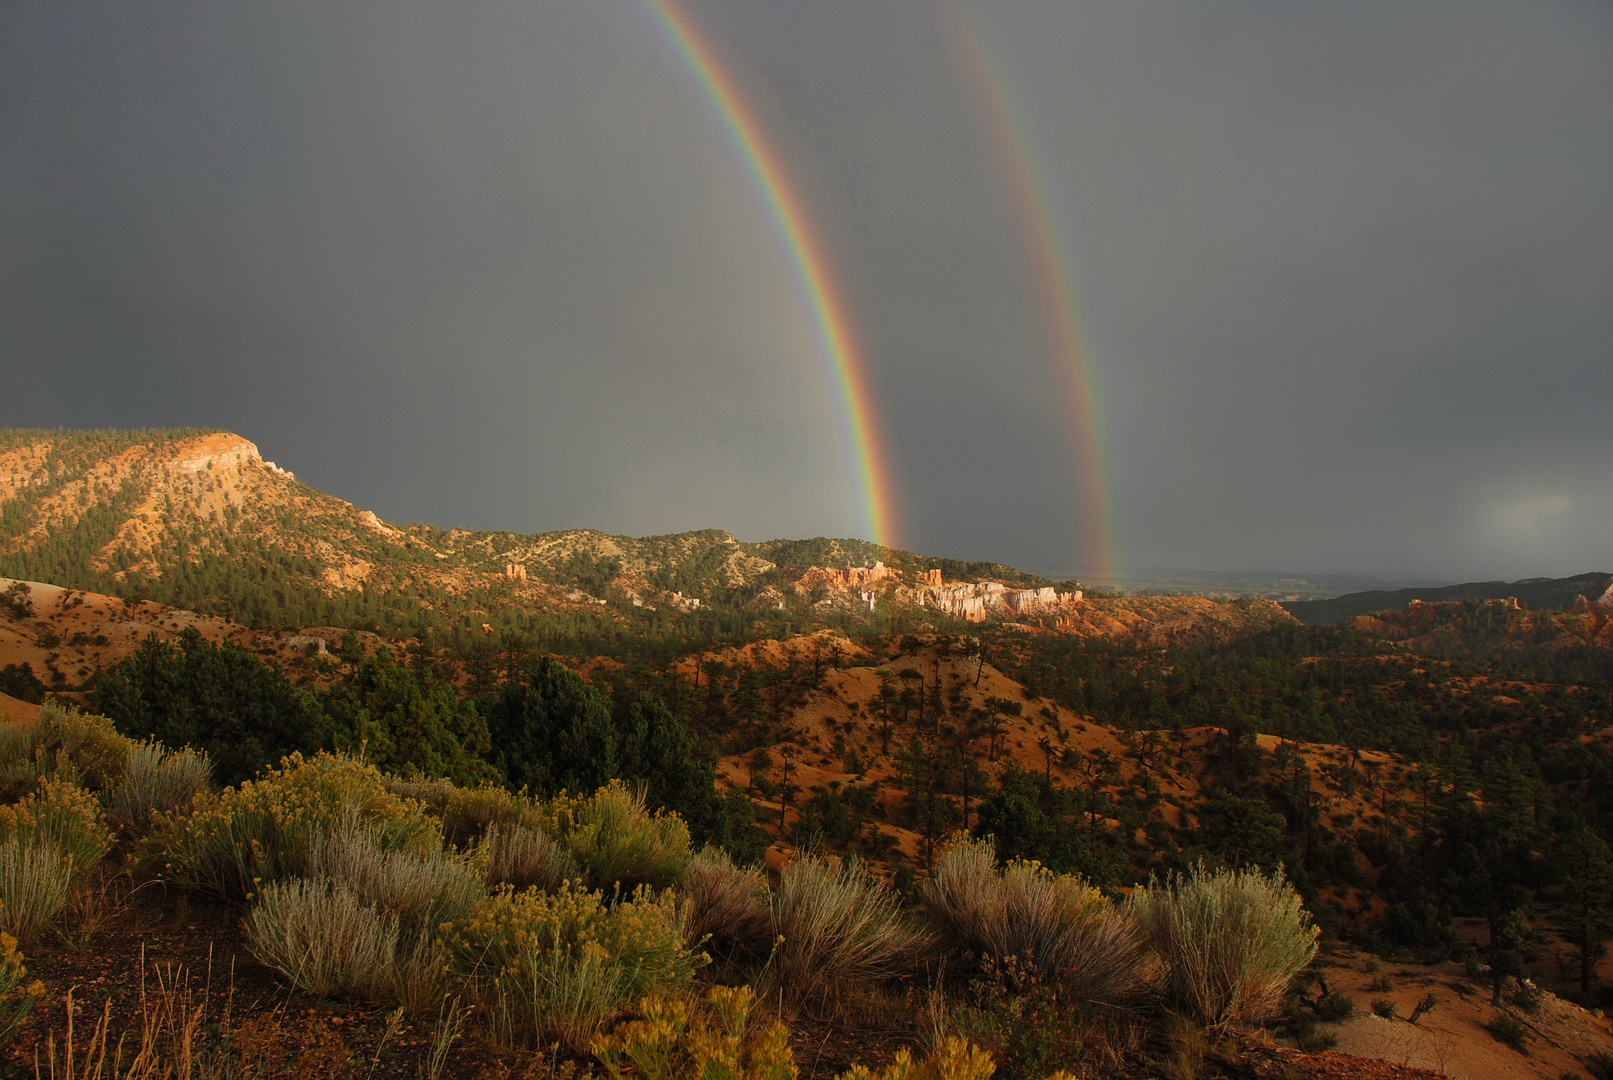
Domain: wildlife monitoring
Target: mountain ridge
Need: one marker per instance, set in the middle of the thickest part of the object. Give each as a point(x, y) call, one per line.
point(1537, 593)
point(198, 520)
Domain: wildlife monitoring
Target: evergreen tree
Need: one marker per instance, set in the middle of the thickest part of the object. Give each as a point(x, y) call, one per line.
point(408, 722)
point(551, 732)
point(1584, 865)
point(219, 698)
point(655, 749)
point(1013, 815)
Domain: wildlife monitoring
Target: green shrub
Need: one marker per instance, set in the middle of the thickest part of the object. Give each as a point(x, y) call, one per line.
point(561, 964)
point(266, 830)
point(1231, 941)
point(324, 938)
point(842, 932)
point(526, 858)
point(615, 841)
point(1031, 1027)
point(1510, 1031)
point(17, 996)
point(156, 779)
point(726, 908)
point(61, 744)
point(1335, 1008)
point(1055, 924)
point(1385, 1008)
point(63, 816)
point(1600, 1066)
point(33, 887)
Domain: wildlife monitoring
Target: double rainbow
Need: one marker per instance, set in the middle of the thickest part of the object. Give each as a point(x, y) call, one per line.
point(1054, 282)
point(812, 273)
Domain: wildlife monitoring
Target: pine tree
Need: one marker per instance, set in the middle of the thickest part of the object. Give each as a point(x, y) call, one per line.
point(1585, 867)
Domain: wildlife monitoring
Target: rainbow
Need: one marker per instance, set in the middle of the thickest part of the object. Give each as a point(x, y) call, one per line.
point(1055, 289)
point(766, 170)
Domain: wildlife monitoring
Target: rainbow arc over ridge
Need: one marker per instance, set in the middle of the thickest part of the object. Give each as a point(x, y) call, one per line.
point(811, 266)
point(1055, 285)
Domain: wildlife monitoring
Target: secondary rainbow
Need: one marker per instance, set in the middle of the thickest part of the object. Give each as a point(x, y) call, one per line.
point(812, 272)
point(1054, 286)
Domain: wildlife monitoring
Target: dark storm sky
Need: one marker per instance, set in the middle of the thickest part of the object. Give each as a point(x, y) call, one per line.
point(1346, 269)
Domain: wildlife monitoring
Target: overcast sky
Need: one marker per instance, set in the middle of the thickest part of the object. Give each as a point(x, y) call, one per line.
point(1346, 269)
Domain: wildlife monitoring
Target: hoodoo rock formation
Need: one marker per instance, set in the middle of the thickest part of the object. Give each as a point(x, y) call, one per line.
point(972, 601)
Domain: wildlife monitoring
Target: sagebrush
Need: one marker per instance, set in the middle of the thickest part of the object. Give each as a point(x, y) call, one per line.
point(1231, 941)
point(841, 931)
point(1057, 925)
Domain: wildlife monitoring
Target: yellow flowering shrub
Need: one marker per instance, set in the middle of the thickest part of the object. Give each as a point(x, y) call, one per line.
point(615, 840)
point(266, 830)
point(957, 1059)
point(563, 963)
point(667, 1043)
point(465, 813)
point(469, 812)
point(61, 744)
point(63, 816)
point(17, 996)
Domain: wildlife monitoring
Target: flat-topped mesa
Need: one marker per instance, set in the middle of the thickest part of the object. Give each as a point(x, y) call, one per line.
point(212, 451)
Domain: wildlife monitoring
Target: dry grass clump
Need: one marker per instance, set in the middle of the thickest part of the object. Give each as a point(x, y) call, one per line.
point(156, 779)
point(842, 930)
point(267, 830)
point(726, 907)
point(61, 744)
point(615, 840)
point(1054, 925)
point(559, 965)
point(324, 938)
point(1231, 941)
point(33, 887)
point(177, 1033)
point(526, 858)
point(62, 816)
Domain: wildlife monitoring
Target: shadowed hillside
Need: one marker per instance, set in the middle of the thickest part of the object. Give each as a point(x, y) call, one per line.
point(1538, 593)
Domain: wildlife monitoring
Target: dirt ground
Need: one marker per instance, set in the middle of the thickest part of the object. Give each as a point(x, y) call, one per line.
point(1451, 1039)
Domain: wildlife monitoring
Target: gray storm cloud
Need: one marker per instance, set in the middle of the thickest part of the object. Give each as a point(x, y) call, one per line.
point(1346, 271)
